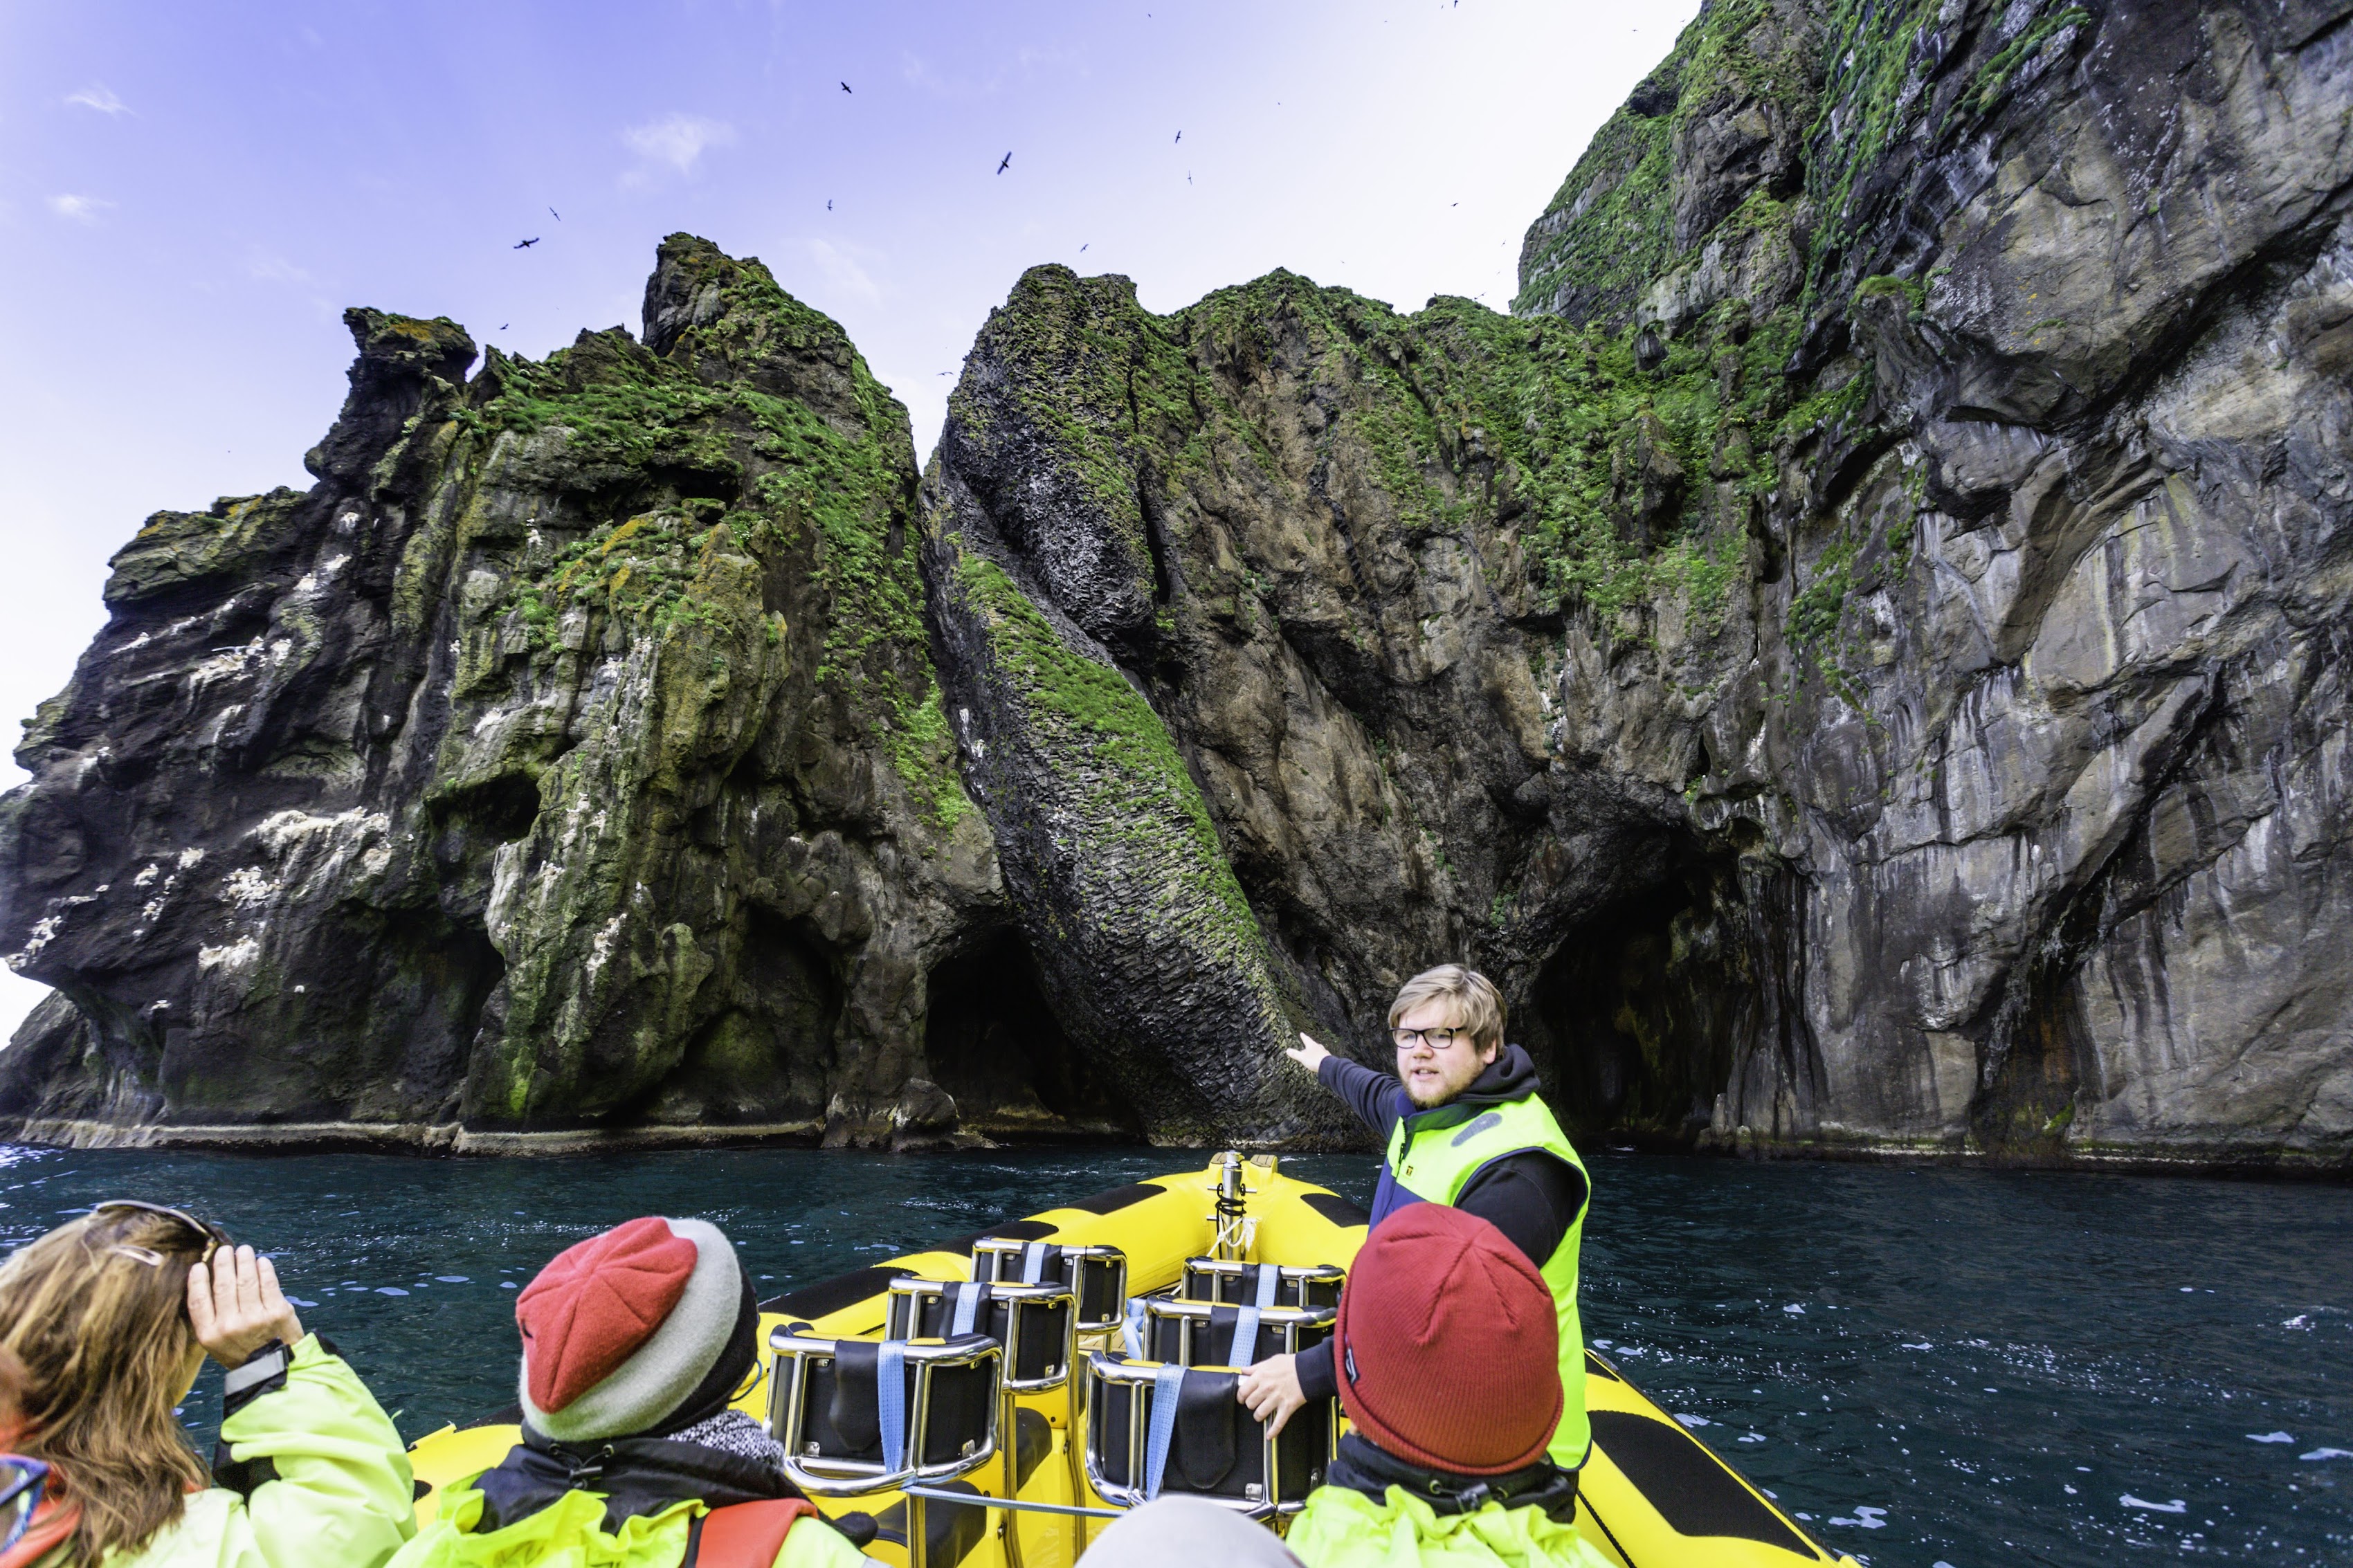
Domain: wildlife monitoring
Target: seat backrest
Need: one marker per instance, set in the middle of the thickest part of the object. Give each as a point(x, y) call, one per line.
point(1096, 1275)
point(1196, 1333)
point(1031, 1321)
point(1153, 1428)
point(829, 1408)
point(1238, 1284)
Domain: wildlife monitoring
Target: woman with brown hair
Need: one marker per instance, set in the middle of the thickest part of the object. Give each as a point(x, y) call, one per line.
point(110, 1318)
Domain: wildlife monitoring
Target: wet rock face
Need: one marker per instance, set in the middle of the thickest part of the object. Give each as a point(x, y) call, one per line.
point(1858, 655)
point(2040, 727)
point(570, 755)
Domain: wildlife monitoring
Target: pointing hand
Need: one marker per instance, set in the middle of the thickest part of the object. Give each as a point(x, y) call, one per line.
point(1310, 1054)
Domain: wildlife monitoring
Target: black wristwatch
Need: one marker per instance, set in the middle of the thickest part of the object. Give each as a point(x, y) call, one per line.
point(263, 1371)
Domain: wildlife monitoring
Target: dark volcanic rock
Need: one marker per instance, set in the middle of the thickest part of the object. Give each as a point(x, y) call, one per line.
point(569, 757)
point(2041, 721)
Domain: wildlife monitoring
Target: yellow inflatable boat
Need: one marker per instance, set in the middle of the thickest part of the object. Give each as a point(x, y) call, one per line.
point(1029, 1362)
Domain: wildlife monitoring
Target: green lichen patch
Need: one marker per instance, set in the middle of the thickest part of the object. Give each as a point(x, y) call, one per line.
point(758, 433)
point(1609, 231)
point(1107, 736)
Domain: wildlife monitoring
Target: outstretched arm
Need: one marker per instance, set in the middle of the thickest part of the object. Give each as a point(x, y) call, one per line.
point(1371, 1095)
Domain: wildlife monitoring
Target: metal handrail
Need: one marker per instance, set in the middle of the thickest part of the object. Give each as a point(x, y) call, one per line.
point(1011, 1505)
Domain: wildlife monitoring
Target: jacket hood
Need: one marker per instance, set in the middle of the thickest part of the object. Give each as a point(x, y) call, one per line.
point(1511, 1076)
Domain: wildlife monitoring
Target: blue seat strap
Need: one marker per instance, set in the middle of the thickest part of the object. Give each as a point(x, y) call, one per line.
point(1167, 1389)
point(890, 1401)
point(968, 1307)
point(1132, 1330)
point(1243, 1351)
point(1033, 1262)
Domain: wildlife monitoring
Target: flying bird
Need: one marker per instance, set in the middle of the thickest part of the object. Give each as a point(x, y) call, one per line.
point(829, 204)
point(557, 215)
point(845, 87)
point(1005, 163)
point(1180, 136)
point(1083, 247)
point(527, 244)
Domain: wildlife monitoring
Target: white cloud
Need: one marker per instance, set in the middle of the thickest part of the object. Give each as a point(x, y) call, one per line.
point(678, 140)
point(81, 209)
point(100, 97)
point(842, 270)
point(271, 267)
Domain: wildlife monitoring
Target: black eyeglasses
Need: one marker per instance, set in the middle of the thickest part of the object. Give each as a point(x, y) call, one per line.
point(1436, 1039)
point(212, 1236)
point(22, 1480)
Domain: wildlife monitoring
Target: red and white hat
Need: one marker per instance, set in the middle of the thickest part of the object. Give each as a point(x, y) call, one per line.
point(621, 1330)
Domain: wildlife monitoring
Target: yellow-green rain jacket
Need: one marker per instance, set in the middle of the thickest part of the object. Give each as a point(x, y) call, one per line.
point(1342, 1528)
point(341, 1497)
point(570, 1533)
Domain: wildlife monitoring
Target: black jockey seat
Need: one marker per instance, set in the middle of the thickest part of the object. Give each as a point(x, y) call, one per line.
point(1034, 1325)
point(1097, 1275)
point(1157, 1428)
point(1235, 1284)
point(1198, 1333)
point(858, 1416)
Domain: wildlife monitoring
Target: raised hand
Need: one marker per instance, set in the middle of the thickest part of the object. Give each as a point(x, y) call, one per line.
point(1310, 1054)
point(235, 1306)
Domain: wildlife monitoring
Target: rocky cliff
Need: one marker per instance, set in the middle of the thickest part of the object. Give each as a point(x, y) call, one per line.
point(1860, 652)
point(569, 756)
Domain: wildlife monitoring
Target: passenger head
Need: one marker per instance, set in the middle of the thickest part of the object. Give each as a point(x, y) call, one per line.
point(1448, 1025)
point(645, 1329)
point(1447, 1345)
point(95, 1314)
point(1186, 1533)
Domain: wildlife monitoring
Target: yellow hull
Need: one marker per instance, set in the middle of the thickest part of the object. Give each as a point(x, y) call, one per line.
point(1651, 1496)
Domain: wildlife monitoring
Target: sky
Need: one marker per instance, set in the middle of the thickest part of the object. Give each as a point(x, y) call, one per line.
point(191, 194)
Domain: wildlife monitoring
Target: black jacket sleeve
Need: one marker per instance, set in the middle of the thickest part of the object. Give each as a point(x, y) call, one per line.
point(1371, 1095)
point(1319, 1378)
point(1532, 1197)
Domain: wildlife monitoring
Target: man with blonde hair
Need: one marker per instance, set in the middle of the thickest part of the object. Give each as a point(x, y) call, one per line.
point(1464, 1126)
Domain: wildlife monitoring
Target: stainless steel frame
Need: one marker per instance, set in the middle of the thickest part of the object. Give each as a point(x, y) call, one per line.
point(1024, 1305)
point(1195, 1320)
point(1224, 1270)
point(1137, 1376)
point(821, 1476)
point(998, 1248)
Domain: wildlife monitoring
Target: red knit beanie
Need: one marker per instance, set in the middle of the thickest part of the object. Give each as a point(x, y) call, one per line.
point(1447, 1345)
point(619, 1330)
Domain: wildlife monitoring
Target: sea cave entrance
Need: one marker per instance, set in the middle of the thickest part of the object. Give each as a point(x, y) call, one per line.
point(992, 1041)
point(1632, 1019)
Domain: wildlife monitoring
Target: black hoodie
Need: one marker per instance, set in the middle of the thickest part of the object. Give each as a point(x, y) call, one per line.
point(1533, 1197)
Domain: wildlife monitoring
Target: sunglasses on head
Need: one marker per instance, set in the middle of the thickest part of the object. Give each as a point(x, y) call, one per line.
point(211, 1238)
point(21, 1483)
